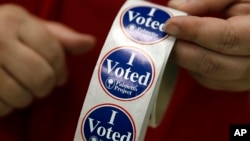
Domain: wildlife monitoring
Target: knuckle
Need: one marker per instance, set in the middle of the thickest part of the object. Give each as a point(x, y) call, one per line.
point(14, 94)
point(228, 40)
point(9, 12)
point(18, 99)
point(45, 84)
point(208, 65)
point(9, 19)
point(23, 100)
point(56, 52)
point(13, 8)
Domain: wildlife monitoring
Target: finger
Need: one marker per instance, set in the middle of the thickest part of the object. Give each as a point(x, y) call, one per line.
point(238, 9)
point(4, 109)
point(210, 64)
point(28, 68)
point(199, 7)
point(235, 85)
point(41, 41)
point(224, 36)
point(73, 42)
point(12, 93)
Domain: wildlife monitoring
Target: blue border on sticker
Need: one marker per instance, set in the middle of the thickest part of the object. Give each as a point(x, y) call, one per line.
point(126, 73)
point(145, 24)
point(108, 122)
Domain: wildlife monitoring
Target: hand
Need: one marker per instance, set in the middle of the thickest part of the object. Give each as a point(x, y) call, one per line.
point(216, 51)
point(32, 56)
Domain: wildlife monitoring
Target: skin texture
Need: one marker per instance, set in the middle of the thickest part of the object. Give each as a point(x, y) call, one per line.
point(32, 56)
point(215, 50)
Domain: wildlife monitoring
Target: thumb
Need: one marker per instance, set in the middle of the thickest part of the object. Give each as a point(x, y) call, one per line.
point(199, 7)
point(73, 42)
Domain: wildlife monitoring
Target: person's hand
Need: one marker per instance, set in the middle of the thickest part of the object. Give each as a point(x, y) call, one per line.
point(216, 51)
point(32, 60)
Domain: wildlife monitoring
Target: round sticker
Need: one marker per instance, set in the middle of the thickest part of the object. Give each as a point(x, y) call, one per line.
point(145, 24)
point(108, 123)
point(126, 73)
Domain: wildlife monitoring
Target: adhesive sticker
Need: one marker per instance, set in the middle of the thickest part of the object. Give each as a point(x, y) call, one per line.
point(104, 122)
point(145, 24)
point(126, 73)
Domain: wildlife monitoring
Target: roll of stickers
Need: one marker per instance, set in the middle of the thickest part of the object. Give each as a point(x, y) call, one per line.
point(127, 76)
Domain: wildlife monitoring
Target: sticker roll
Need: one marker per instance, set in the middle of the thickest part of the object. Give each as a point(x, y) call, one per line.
point(127, 76)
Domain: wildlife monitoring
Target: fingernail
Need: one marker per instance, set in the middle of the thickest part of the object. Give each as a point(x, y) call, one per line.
point(176, 3)
point(172, 29)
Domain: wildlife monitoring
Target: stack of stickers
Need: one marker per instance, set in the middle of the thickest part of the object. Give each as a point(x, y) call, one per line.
point(127, 75)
